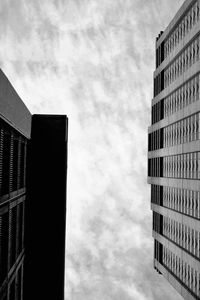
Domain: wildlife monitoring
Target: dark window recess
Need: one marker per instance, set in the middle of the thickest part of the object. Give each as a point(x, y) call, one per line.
point(149, 142)
point(157, 194)
point(161, 167)
point(153, 114)
point(158, 251)
point(15, 164)
point(155, 140)
point(6, 164)
point(157, 112)
point(157, 57)
point(4, 221)
point(159, 83)
point(161, 138)
point(162, 52)
point(22, 165)
point(161, 224)
point(162, 80)
point(150, 171)
point(161, 195)
point(155, 167)
point(157, 222)
point(13, 235)
point(161, 109)
point(159, 54)
point(149, 167)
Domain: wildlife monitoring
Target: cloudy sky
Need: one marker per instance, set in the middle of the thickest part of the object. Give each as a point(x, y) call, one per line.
point(93, 60)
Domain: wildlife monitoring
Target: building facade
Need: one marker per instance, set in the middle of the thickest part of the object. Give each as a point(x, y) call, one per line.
point(15, 129)
point(33, 166)
point(174, 152)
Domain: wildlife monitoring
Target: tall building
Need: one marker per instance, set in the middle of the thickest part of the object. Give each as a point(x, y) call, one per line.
point(44, 265)
point(174, 152)
point(33, 166)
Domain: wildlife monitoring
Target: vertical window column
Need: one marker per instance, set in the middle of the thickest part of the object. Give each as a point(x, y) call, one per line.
point(6, 163)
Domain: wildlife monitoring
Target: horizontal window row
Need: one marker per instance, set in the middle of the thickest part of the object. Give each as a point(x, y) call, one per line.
point(185, 25)
point(12, 161)
point(188, 93)
point(155, 140)
point(182, 200)
point(182, 235)
point(184, 131)
point(185, 60)
point(175, 166)
point(183, 271)
point(182, 166)
point(11, 238)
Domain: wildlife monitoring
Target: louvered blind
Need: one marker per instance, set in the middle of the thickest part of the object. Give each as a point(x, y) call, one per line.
point(13, 148)
point(15, 164)
point(6, 163)
point(22, 165)
point(3, 246)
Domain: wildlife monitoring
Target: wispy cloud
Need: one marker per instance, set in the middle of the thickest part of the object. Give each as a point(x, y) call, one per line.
point(93, 60)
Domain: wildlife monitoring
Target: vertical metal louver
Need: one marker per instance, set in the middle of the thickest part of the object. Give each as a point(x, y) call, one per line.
point(6, 163)
point(3, 246)
point(11, 165)
point(15, 164)
point(22, 165)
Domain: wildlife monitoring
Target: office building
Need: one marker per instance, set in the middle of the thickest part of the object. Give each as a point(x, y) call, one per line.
point(33, 164)
point(174, 152)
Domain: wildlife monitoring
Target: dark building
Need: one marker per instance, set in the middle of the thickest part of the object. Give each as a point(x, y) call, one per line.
point(174, 152)
point(46, 208)
point(33, 168)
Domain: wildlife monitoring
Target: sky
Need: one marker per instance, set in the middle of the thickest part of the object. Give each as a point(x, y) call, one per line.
point(94, 60)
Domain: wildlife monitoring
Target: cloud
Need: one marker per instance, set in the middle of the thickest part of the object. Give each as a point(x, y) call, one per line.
point(93, 60)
